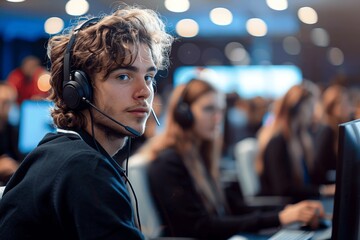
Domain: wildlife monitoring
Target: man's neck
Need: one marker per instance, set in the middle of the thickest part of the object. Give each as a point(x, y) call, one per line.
point(111, 144)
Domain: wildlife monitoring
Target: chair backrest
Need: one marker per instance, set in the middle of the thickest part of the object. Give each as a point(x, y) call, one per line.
point(245, 154)
point(2, 188)
point(149, 218)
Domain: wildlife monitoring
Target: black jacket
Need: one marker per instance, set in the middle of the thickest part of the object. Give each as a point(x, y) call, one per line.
point(278, 178)
point(325, 154)
point(65, 189)
point(182, 210)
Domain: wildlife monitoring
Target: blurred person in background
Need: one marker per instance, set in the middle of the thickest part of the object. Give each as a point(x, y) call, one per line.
point(9, 153)
point(355, 99)
point(256, 111)
point(285, 161)
point(184, 174)
point(235, 123)
point(337, 109)
point(25, 79)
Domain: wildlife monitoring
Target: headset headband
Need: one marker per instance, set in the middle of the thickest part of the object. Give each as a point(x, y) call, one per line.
point(67, 55)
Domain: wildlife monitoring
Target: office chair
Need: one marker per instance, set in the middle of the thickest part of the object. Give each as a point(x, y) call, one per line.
point(2, 188)
point(151, 224)
point(149, 218)
point(245, 155)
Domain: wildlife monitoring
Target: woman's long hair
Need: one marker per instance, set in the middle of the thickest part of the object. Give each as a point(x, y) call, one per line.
point(286, 111)
point(198, 161)
point(336, 98)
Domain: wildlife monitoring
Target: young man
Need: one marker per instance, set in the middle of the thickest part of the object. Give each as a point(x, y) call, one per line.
point(102, 76)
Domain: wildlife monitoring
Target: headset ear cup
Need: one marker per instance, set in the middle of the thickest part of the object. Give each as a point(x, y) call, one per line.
point(75, 90)
point(183, 115)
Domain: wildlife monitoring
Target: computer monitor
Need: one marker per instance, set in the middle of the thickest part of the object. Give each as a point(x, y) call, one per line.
point(35, 122)
point(271, 81)
point(346, 214)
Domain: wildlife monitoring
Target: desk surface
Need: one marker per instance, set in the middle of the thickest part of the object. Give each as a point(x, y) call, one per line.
point(320, 234)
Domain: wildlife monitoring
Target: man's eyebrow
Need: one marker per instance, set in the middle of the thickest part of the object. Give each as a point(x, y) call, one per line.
point(152, 69)
point(135, 69)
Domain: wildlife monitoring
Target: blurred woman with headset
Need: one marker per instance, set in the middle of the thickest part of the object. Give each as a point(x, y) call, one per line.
point(337, 109)
point(184, 172)
point(285, 161)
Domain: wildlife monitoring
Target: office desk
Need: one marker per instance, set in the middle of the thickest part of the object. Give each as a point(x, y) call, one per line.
point(320, 234)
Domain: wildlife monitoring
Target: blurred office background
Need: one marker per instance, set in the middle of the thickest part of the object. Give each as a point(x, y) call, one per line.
point(319, 37)
point(255, 48)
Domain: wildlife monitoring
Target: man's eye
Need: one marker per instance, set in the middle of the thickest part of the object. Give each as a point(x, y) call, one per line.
point(149, 78)
point(123, 77)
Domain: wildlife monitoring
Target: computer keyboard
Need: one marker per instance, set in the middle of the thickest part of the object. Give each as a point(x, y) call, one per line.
point(292, 234)
point(323, 234)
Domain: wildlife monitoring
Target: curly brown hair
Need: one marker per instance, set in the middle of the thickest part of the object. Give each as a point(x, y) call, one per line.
point(102, 47)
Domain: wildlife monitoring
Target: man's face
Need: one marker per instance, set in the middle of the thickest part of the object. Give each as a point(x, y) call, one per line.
point(126, 95)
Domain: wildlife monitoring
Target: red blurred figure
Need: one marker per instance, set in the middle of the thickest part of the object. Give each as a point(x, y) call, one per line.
point(25, 79)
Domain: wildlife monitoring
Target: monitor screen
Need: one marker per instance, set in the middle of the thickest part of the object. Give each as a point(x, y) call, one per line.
point(271, 81)
point(346, 215)
point(35, 122)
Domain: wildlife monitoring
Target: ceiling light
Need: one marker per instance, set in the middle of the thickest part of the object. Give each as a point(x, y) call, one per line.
point(189, 53)
point(77, 7)
point(237, 54)
point(256, 27)
point(291, 45)
point(278, 5)
point(320, 37)
point(187, 28)
point(307, 15)
point(221, 16)
point(177, 5)
point(53, 25)
point(43, 82)
point(235, 51)
point(335, 56)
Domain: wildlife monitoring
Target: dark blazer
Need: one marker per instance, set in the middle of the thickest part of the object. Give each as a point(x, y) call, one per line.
point(325, 154)
point(278, 176)
point(183, 211)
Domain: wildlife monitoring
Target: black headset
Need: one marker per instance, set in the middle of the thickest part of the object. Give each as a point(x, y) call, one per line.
point(182, 112)
point(76, 84)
